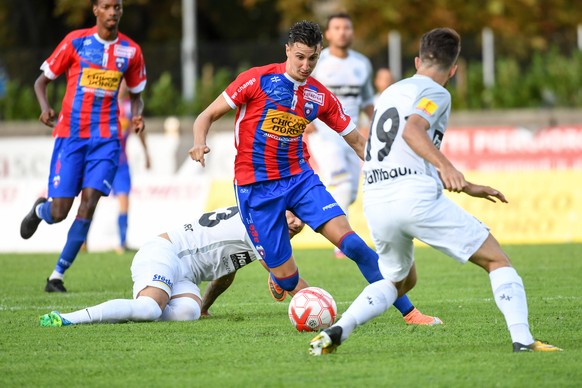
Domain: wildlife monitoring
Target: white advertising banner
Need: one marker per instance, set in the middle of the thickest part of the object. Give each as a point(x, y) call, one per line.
point(172, 191)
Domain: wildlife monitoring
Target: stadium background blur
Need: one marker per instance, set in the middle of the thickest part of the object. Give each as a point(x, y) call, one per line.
point(523, 134)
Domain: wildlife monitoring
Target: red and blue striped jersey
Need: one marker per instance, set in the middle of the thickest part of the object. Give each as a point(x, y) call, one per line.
point(272, 113)
point(94, 69)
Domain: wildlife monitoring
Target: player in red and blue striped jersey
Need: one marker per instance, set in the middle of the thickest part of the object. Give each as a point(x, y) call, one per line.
point(272, 173)
point(87, 131)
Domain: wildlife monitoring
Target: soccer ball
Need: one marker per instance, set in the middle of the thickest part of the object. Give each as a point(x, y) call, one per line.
point(311, 309)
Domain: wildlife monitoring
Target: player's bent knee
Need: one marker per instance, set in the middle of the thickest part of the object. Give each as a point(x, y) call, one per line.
point(181, 309)
point(146, 309)
point(288, 283)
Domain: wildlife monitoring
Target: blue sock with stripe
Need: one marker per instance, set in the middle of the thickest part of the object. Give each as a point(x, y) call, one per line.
point(365, 257)
point(75, 238)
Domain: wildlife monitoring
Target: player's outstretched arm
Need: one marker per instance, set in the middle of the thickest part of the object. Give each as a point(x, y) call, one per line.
point(213, 112)
point(214, 289)
point(486, 192)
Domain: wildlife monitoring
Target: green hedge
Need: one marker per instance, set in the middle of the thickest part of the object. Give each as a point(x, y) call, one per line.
point(547, 79)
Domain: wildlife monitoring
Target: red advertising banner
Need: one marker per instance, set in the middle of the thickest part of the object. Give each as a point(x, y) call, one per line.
point(514, 148)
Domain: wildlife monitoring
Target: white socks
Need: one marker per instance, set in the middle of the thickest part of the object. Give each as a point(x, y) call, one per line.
point(372, 302)
point(510, 298)
point(56, 275)
point(143, 308)
point(181, 309)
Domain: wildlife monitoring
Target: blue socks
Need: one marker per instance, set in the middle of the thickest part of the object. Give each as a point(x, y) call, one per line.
point(122, 223)
point(75, 238)
point(289, 283)
point(365, 257)
point(404, 305)
point(44, 212)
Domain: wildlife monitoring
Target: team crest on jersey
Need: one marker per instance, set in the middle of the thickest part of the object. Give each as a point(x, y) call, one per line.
point(120, 63)
point(427, 106)
point(123, 51)
point(313, 96)
point(308, 109)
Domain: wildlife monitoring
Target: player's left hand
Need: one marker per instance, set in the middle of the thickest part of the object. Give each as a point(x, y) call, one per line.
point(486, 192)
point(137, 124)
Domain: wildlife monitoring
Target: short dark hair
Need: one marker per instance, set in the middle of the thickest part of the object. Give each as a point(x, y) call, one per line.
point(337, 15)
point(440, 47)
point(305, 32)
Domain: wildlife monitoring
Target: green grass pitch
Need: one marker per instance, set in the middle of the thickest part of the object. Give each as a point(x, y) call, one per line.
point(249, 341)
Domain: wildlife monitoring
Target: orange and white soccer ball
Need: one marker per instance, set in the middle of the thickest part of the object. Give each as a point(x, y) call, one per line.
point(312, 309)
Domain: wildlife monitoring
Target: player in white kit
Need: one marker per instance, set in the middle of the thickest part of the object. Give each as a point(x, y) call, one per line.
point(348, 74)
point(405, 174)
point(167, 271)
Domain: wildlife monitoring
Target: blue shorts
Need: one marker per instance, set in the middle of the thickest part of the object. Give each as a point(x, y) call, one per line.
point(262, 208)
point(79, 163)
point(122, 180)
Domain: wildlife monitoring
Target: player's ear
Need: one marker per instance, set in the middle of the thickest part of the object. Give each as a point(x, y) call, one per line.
point(453, 71)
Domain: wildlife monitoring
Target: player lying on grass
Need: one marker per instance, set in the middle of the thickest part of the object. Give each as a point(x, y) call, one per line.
point(167, 271)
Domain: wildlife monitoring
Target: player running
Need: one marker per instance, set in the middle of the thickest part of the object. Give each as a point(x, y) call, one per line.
point(87, 131)
point(274, 104)
point(405, 174)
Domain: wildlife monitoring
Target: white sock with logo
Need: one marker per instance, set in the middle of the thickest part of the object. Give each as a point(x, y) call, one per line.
point(372, 302)
point(510, 298)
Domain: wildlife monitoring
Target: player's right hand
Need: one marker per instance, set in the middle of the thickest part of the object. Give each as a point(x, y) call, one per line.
point(198, 151)
point(48, 118)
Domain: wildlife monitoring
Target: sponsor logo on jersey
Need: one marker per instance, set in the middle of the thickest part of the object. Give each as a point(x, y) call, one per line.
point(283, 123)
point(240, 259)
point(163, 279)
point(313, 96)
point(250, 82)
point(101, 79)
point(379, 174)
point(124, 51)
point(427, 106)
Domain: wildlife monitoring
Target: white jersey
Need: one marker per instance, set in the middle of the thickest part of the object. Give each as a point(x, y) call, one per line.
point(388, 158)
point(349, 78)
point(213, 246)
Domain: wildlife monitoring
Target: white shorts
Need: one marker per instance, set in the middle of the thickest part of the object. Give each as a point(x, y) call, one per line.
point(337, 163)
point(156, 264)
point(435, 220)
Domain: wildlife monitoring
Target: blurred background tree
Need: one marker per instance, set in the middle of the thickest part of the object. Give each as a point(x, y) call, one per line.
point(237, 34)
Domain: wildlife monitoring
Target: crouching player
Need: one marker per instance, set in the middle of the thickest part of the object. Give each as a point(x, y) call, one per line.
point(168, 270)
